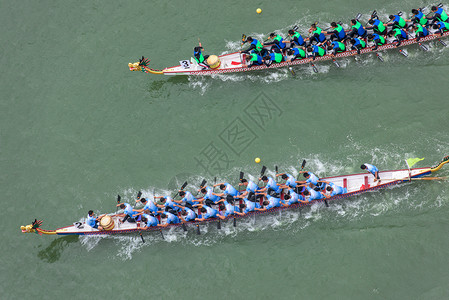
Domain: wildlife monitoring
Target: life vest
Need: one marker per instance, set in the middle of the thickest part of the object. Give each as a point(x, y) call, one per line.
point(258, 45)
point(360, 30)
point(276, 57)
point(300, 52)
point(320, 51)
point(443, 15)
point(339, 45)
point(321, 36)
point(380, 40)
point(280, 40)
point(256, 58)
point(298, 37)
point(359, 42)
point(401, 22)
point(420, 17)
point(341, 31)
point(198, 56)
point(380, 25)
point(422, 29)
point(400, 32)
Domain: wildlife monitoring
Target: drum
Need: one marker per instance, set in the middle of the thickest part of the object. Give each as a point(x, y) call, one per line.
point(107, 223)
point(213, 62)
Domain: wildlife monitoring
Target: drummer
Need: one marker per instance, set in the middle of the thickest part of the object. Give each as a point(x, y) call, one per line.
point(92, 221)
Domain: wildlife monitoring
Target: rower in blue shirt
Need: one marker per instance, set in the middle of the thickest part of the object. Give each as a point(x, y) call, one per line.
point(148, 205)
point(209, 197)
point(317, 34)
point(128, 213)
point(334, 190)
point(149, 221)
point(312, 180)
point(187, 214)
point(358, 44)
point(271, 202)
point(187, 199)
point(372, 169)
point(439, 15)
point(397, 22)
point(228, 191)
point(290, 181)
point(171, 218)
point(313, 195)
point(271, 186)
point(207, 212)
point(228, 209)
point(297, 53)
point(357, 29)
point(420, 31)
point(251, 189)
point(442, 27)
point(168, 204)
point(336, 47)
point(316, 51)
point(292, 197)
point(378, 40)
point(248, 206)
point(377, 26)
point(399, 35)
point(296, 38)
point(278, 42)
point(338, 32)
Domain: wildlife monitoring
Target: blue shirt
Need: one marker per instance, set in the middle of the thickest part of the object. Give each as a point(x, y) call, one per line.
point(294, 197)
point(251, 187)
point(152, 221)
point(272, 185)
point(169, 203)
point(230, 209)
point(210, 196)
point(291, 181)
point(188, 198)
point(172, 219)
point(337, 190)
point(230, 190)
point(250, 206)
point(372, 169)
point(274, 202)
point(91, 221)
point(151, 207)
point(190, 214)
point(314, 195)
point(313, 179)
point(129, 210)
point(211, 213)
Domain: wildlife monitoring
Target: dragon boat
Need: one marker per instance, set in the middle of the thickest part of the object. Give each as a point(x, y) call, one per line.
point(234, 62)
point(355, 184)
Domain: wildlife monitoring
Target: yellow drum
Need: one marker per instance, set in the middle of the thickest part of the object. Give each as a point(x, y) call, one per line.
point(213, 61)
point(107, 223)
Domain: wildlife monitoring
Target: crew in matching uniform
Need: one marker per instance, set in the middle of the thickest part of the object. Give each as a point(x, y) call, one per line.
point(317, 34)
point(297, 53)
point(336, 47)
point(149, 221)
point(253, 59)
point(399, 35)
point(334, 190)
point(420, 31)
point(377, 26)
point(338, 32)
point(357, 29)
point(316, 51)
point(227, 209)
point(271, 202)
point(128, 213)
point(270, 187)
point(439, 15)
point(148, 205)
point(418, 17)
point(273, 57)
point(248, 206)
point(397, 22)
point(209, 197)
point(171, 218)
point(187, 200)
point(187, 214)
point(278, 42)
point(207, 212)
point(377, 39)
point(296, 38)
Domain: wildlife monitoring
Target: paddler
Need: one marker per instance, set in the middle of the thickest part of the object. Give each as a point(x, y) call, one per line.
point(418, 17)
point(187, 214)
point(317, 34)
point(128, 213)
point(248, 206)
point(397, 21)
point(199, 57)
point(420, 31)
point(171, 219)
point(316, 51)
point(372, 169)
point(312, 180)
point(290, 181)
point(399, 35)
point(278, 42)
point(254, 47)
point(442, 27)
point(439, 15)
point(297, 53)
point(338, 32)
point(336, 47)
point(273, 57)
point(251, 189)
point(292, 197)
point(168, 204)
point(187, 199)
point(149, 221)
point(357, 29)
point(209, 198)
point(377, 39)
point(227, 209)
point(312, 194)
point(207, 212)
point(271, 202)
point(229, 192)
point(271, 187)
point(377, 26)
point(296, 38)
point(92, 221)
point(148, 205)
point(253, 59)
point(358, 44)
point(334, 189)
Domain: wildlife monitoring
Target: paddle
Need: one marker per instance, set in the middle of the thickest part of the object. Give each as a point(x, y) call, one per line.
point(336, 62)
point(198, 229)
point(313, 67)
point(213, 190)
point(291, 70)
point(160, 230)
point(373, 15)
point(379, 57)
point(202, 185)
point(359, 15)
point(442, 43)
point(424, 47)
point(403, 52)
point(243, 39)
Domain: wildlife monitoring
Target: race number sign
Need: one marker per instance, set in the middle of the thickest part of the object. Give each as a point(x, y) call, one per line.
point(185, 64)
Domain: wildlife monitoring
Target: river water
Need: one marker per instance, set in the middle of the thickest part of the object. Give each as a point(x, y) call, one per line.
point(77, 128)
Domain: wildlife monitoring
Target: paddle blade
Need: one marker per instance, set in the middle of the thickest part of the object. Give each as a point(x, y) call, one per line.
point(277, 170)
point(442, 43)
point(400, 13)
point(424, 47)
point(440, 5)
point(291, 70)
point(184, 227)
point(303, 164)
point(262, 172)
point(336, 63)
point(139, 194)
point(235, 222)
point(162, 234)
point(141, 237)
point(198, 229)
point(184, 185)
point(118, 199)
point(325, 202)
point(243, 38)
point(403, 52)
point(203, 183)
point(219, 224)
point(314, 68)
point(359, 15)
point(295, 28)
point(241, 176)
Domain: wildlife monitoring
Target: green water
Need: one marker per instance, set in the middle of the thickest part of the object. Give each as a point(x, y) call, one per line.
point(77, 128)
